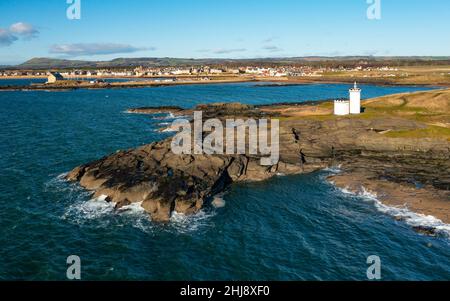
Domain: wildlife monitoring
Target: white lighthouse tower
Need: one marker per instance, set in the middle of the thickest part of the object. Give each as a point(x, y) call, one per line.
point(355, 100)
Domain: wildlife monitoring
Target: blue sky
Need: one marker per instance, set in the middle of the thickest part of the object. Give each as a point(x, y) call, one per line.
point(221, 28)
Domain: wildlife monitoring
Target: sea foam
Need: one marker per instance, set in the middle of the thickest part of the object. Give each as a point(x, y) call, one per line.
point(413, 219)
point(190, 223)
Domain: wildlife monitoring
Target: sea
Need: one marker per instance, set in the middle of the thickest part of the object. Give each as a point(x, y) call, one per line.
point(286, 228)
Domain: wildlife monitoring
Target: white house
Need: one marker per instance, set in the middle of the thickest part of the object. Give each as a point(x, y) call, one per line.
point(215, 71)
point(54, 77)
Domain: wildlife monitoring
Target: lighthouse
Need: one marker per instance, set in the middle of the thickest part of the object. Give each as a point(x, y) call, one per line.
point(352, 106)
point(355, 100)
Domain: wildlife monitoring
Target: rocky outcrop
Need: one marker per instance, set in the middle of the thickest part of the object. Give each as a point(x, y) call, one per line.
point(165, 182)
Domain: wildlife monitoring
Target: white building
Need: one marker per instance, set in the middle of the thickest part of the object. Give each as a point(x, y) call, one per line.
point(215, 71)
point(351, 106)
point(54, 77)
point(181, 72)
point(341, 107)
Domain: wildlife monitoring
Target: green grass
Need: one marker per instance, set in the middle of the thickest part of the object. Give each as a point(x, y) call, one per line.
point(326, 105)
point(429, 132)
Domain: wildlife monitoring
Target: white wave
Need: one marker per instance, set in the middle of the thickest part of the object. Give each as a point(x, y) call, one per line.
point(169, 116)
point(83, 211)
point(218, 201)
point(346, 191)
point(134, 209)
point(101, 198)
point(334, 169)
point(368, 194)
point(190, 223)
point(413, 219)
point(104, 215)
point(60, 185)
point(56, 181)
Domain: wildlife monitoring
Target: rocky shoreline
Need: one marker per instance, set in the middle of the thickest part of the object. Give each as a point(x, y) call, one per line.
point(165, 182)
point(75, 85)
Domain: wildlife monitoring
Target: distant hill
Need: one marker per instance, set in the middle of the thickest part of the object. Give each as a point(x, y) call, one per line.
point(49, 63)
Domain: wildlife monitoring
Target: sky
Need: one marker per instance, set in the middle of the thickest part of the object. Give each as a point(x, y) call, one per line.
point(109, 29)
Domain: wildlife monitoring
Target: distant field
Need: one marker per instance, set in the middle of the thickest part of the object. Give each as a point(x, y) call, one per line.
point(410, 75)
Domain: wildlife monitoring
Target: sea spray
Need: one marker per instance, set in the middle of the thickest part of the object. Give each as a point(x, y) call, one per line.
point(415, 220)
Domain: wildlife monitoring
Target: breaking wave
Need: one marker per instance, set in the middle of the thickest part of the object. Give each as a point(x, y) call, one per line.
point(168, 116)
point(102, 214)
point(98, 213)
point(333, 170)
point(79, 208)
point(192, 223)
point(413, 219)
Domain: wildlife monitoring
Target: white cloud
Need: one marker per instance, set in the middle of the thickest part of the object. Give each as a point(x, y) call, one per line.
point(80, 49)
point(272, 48)
point(15, 31)
point(24, 30)
point(223, 50)
point(6, 38)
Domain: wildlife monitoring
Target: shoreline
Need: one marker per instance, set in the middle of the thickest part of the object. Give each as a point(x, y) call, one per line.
point(367, 142)
point(425, 209)
point(143, 83)
point(117, 85)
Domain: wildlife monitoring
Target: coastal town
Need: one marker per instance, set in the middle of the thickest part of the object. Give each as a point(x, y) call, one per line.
point(148, 72)
point(175, 71)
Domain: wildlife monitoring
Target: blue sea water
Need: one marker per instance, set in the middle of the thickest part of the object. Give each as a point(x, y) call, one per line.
point(21, 81)
point(29, 81)
point(286, 228)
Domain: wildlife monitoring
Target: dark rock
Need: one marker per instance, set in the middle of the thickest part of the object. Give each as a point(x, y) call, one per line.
point(430, 231)
point(121, 204)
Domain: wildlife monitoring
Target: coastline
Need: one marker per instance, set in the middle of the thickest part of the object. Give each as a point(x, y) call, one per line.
point(426, 209)
point(358, 142)
point(150, 82)
point(117, 85)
